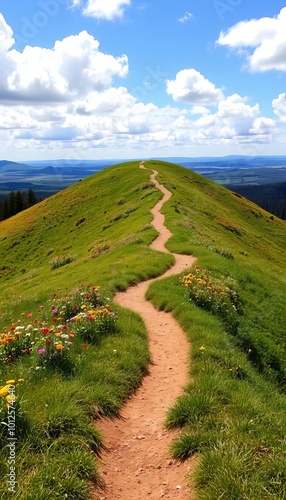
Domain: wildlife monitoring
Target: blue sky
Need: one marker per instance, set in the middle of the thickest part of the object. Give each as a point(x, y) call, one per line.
point(134, 78)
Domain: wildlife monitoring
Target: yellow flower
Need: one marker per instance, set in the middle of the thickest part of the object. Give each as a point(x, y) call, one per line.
point(11, 398)
point(10, 382)
point(77, 318)
point(4, 390)
point(21, 380)
point(202, 348)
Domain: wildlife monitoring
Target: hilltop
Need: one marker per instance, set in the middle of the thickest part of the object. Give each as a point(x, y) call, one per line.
point(47, 177)
point(112, 205)
point(98, 232)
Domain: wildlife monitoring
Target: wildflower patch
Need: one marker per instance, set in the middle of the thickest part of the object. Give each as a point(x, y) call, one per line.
point(217, 295)
point(47, 336)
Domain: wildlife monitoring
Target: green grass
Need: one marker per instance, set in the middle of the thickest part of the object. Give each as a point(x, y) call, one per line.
point(232, 414)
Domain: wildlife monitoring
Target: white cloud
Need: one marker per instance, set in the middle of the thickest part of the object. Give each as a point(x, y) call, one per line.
point(103, 9)
point(236, 114)
point(6, 35)
point(263, 126)
point(65, 99)
point(192, 87)
point(12, 119)
point(279, 107)
point(199, 110)
point(267, 38)
point(73, 68)
point(186, 17)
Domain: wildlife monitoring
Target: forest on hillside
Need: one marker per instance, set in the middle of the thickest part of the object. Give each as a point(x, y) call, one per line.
point(15, 202)
point(270, 197)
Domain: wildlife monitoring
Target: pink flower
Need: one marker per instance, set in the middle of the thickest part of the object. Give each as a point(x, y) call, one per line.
point(42, 350)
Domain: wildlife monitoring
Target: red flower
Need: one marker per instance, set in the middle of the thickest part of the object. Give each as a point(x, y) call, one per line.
point(85, 346)
point(26, 351)
point(45, 331)
point(54, 294)
point(13, 328)
point(48, 342)
point(8, 360)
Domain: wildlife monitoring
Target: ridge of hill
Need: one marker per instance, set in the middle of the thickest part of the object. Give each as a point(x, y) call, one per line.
point(98, 231)
point(110, 203)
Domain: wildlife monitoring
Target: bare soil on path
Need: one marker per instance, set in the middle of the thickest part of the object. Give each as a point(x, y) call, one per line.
point(137, 464)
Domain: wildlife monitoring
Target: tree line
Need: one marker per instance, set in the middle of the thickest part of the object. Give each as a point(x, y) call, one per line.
point(270, 197)
point(15, 202)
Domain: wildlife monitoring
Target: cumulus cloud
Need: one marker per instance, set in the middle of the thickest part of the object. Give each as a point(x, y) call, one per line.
point(279, 107)
point(263, 126)
point(74, 67)
point(192, 87)
point(6, 35)
point(263, 40)
point(186, 17)
point(103, 9)
point(12, 119)
point(237, 114)
point(199, 110)
point(65, 98)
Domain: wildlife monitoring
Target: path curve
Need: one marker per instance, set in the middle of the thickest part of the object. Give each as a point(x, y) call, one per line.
point(138, 465)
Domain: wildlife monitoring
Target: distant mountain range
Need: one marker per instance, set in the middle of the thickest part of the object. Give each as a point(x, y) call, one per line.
point(46, 177)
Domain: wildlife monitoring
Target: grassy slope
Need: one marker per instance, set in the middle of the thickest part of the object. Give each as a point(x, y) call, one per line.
point(104, 223)
point(234, 417)
point(111, 207)
point(212, 222)
point(107, 216)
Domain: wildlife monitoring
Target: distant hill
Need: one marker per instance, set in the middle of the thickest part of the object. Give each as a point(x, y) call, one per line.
point(11, 166)
point(46, 177)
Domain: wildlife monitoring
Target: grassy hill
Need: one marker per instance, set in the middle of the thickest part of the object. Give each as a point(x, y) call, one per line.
point(96, 233)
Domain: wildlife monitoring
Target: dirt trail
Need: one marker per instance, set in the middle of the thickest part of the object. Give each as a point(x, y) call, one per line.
point(138, 465)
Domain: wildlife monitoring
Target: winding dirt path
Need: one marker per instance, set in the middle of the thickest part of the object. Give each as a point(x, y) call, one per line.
point(138, 465)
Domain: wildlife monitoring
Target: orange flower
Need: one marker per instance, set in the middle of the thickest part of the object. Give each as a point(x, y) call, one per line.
point(59, 347)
